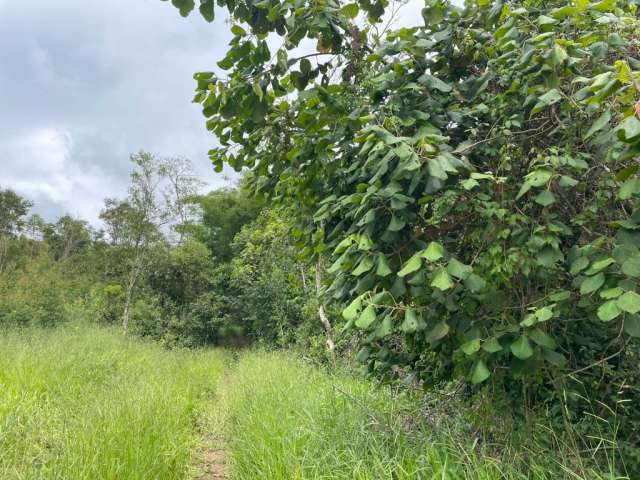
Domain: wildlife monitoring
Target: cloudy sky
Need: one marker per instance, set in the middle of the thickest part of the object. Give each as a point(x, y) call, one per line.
point(84, 83)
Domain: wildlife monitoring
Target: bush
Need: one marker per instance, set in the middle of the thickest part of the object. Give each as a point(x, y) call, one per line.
point(35, 296)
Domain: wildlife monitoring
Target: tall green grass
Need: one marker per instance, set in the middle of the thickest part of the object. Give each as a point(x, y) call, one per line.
point(287, 420)
point(85, 403)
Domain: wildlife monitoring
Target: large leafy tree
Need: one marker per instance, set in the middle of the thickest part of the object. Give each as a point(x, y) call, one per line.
point(474, 178)
point(13, 210)
point(223, 213)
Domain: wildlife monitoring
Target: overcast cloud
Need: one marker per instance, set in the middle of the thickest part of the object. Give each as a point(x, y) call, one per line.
point(84, 83)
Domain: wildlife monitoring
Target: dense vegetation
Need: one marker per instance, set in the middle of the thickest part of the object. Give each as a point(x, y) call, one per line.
point(454, 205)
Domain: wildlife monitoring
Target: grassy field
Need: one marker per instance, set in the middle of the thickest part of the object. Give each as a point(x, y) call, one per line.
point(87, 403)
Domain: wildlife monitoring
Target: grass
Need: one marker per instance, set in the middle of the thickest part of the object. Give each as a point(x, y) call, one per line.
point(288, 420)
point(86, 403)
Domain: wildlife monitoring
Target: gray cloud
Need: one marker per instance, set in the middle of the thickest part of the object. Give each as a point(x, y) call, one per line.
point(84, 84)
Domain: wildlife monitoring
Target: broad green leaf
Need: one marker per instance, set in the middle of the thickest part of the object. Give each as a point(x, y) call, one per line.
point(350, 10)
point(539, 178)
point(529, 320)
point(629, 129)
point(410, 324)
point(559, 54)
point(412, 265)
point(543, 314)
point(491, 345)
point(560, 296)
point(629, 302)
point(438, 332)
point(383, 267)
point(435, 83)
point(184, 6)
point(600, 265)
point(344, 244)
point(442, 280)
point(548, 256)
point(546, 100)
point(578, 265)
point(545, 198)
point(566, 181)
point(366, 318)
point(433, 252)
point(608, 311)
point(591, 284)
point(480, 372)
point(632, 325)
point(364, 266)
point(542, 339)
point(385, 328)
point(351, 312)
point(611, 293)
point(521, 348)
point(469, 184)
point(363, 355)
point(396, 224)
point(207, 10)
point(459, 269)
point(238, 30)
point(631, 266)
point(599, 124)
point(257, 89)
point(365, 244)
point(526, 186)
point(554, 358)
point(544, 20)
point(475, 283)
point(471, 347)
point(630, 188)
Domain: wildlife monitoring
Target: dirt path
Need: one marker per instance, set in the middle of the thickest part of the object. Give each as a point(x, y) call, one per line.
point(214, 465)
point(213, 453)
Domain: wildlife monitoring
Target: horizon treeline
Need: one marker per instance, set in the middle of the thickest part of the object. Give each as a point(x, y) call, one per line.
point(168, 262)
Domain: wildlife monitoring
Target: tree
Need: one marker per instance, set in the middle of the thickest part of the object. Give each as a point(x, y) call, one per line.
point(223, 214)
point(13, 209)
point(181, 188)
point(157, 199)
point(66, 237)
point(444, 166)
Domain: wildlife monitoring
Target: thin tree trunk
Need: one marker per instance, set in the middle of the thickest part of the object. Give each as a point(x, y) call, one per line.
point(4, 248)
point(304, 278)
point(133, 278)
point(323, 316)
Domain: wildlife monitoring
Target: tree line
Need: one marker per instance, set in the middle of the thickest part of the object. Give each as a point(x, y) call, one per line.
point(167, 262)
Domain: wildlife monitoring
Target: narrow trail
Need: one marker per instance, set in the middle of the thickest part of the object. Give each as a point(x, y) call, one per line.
point(213, 453)
point(214, 459)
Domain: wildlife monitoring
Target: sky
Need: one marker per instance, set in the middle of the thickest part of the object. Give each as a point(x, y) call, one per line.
point(85, 83)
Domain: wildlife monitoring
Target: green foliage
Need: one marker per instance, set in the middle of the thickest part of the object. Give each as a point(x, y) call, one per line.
point(36, 296)
point(107, 304)
point(66, 237)
point(224, 213)
point(474, 180)
point(286, 419)
point(459, 151)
